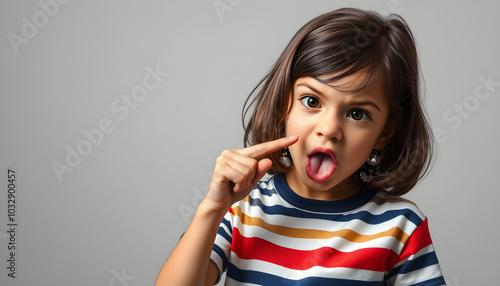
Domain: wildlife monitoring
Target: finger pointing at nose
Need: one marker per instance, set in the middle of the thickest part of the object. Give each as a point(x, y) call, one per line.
point(260, 150)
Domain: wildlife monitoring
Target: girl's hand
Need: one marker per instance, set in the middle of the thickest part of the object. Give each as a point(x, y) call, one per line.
point(237, 172)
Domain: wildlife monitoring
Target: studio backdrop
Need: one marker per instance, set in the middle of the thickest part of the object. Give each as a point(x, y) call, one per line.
point(112, 114)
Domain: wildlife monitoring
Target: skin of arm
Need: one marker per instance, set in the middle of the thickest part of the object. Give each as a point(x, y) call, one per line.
point(189, 261)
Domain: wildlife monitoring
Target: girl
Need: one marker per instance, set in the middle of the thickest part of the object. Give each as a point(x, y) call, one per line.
point(339, 126)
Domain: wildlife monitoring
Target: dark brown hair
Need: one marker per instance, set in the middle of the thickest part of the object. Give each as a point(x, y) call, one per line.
point(341, 43)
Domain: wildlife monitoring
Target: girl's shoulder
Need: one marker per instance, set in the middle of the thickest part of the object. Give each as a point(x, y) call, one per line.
point(389, 199)
point(385, 203)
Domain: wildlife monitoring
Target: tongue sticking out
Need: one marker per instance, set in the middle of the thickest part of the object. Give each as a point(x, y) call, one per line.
point(320, 166)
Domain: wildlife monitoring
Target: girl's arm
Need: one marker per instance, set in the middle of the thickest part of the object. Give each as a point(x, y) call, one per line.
point(235, 174)
point(188, 264)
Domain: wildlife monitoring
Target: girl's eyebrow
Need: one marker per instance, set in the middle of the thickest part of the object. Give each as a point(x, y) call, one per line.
point(367, 102)
point(362, 102)
point(310, 87)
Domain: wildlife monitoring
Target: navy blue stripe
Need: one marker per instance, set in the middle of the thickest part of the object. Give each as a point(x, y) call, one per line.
point(419, 263)
point(260, 278)
point(338, 206)
point(222, 232)
point(228, 225)
point(365, 216)
point(265, 191)
point(439, 281)
point(222, 255)
point(416, 264)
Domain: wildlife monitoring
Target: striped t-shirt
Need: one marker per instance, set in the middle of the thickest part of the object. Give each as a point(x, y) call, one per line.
point(275, 237)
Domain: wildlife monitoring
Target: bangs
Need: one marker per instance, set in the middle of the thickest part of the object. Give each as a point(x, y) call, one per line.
point(368, 74)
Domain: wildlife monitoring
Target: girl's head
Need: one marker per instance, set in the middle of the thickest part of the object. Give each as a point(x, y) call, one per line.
point(351, 51)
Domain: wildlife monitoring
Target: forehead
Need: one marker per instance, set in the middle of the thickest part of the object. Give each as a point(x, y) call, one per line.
point(354, 85)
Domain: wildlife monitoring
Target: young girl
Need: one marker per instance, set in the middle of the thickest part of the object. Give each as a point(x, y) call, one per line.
point(339, 126)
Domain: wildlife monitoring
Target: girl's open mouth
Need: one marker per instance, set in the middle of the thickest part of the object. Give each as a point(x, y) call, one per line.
point(320, 164)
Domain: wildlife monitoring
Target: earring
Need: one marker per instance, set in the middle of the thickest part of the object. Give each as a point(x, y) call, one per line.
point(284, 160)
point(368, 169)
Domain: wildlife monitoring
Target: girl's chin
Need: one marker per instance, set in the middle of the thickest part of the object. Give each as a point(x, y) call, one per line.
point(322, 186)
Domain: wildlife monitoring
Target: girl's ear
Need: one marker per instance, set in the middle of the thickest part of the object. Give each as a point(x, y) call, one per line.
point(385, 136)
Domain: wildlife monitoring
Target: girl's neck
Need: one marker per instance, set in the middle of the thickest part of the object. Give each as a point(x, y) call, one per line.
point(343, 190)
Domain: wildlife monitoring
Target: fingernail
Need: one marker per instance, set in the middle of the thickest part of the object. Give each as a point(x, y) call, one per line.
point(293, 137)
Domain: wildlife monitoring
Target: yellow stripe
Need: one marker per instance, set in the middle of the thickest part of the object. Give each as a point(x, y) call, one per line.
point(347, 234)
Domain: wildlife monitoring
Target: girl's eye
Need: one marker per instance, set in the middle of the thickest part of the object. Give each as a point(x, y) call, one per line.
point(310, 101)
point(358, 115)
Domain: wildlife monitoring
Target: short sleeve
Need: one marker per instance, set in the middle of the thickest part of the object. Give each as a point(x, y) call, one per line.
point(222, 244)
point(417, 263)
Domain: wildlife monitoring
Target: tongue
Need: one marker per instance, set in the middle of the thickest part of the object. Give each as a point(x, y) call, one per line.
point(320, 166)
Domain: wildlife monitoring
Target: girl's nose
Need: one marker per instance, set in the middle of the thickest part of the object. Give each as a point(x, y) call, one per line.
point(330, 128)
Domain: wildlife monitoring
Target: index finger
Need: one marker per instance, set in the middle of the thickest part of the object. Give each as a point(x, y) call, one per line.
point(262, 149)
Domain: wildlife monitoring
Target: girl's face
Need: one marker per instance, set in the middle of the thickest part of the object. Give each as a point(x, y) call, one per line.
point(337, 132)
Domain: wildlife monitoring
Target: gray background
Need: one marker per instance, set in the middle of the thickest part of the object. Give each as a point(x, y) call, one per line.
point(115, 218)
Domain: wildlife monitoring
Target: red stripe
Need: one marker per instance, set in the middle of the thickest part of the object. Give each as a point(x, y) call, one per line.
point(419, 239)
point(375, 259)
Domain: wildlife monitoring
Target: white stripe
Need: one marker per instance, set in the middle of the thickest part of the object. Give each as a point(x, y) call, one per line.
point(424, 274)
point(231, 282)
point(214, 256)
point(399, 204)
